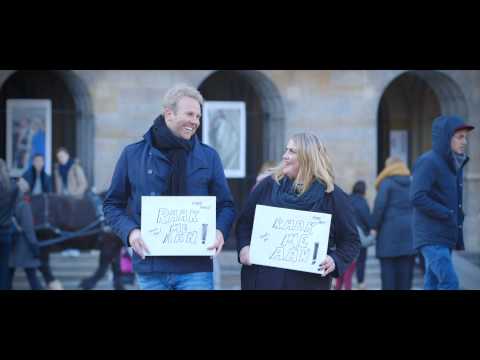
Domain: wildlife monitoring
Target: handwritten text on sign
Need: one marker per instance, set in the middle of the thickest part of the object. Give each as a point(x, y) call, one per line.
point(289, 239)
point(179, 225)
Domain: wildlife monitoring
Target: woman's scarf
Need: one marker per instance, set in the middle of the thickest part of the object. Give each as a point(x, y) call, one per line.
point(284, 195)
point(64, 169)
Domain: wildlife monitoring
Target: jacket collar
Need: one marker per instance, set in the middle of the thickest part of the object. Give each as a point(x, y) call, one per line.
point(198, 153)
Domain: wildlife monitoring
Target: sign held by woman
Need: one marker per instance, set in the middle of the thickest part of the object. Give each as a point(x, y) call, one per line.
point(290, 239)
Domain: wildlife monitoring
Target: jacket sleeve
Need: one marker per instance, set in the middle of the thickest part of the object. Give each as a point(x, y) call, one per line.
point(364, 216)
point(219, 188)
point(347, 241)
point(82, 180)
point(24, 216)
point(244, 226)
point(423, 180)
point(381, 201)
point(116, 201)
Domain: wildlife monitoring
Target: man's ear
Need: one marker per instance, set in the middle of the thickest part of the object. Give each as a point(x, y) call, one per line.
point(168, 113)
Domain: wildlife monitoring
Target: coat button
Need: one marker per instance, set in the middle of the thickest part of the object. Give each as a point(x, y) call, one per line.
point(459, 226)
point(152, 193)
point(150, 172)
point(460, 206)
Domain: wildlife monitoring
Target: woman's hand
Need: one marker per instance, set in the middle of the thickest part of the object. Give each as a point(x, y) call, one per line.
point(245, 255)
point(328, 265)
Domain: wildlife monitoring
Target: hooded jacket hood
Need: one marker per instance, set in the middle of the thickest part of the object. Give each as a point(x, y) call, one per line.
point(443, 129)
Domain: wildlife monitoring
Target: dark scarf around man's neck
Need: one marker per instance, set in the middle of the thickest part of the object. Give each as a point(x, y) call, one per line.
point(176, 150)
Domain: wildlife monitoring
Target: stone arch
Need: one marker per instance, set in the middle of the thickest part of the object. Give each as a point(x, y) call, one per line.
point(410, 103)
point(73, 107)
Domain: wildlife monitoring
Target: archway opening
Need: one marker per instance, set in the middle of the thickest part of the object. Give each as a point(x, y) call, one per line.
point(72, 118)
point(265, 121)
point(406, 112)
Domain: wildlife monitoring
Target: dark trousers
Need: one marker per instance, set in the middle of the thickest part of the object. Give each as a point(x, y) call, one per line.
point(361, 263)
point(31, 276)
point(397, 272)
point(5, 247)
point(45, 268)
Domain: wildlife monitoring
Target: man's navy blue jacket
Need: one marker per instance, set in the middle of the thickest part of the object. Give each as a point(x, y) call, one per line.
point(143, 170)
point(436, 191)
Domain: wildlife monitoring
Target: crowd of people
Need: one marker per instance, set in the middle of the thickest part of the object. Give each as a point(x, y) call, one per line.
point(415, 213)
point(19, 246)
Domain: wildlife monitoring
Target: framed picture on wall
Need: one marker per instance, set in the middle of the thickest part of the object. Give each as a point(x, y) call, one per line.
point(29, 132)
point(224, 128)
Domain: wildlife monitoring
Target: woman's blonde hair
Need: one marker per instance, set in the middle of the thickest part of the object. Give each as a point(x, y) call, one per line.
point(4, 176)
point(314, 163)
point(393, 160)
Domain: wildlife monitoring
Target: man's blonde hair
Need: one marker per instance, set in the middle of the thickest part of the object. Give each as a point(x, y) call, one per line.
point(314, 163)
point(173, 96)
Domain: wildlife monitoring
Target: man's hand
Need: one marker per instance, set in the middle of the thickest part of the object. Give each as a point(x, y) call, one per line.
point(218, 244)
point(137, 244)
point(328, 265)
point(245, 255)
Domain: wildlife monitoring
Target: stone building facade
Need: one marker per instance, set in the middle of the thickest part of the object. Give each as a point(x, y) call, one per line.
point(98, 112)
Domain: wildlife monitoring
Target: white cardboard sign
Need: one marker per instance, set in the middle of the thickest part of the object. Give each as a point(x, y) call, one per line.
point(179, 225)
point(290, 239)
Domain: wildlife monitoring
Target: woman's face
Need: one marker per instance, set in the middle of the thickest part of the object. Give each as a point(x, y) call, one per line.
point(290, 161)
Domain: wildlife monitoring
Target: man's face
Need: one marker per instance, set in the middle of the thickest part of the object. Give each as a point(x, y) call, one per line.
point(459, 141)
point(38, 163)
point(186, 120)
point(62, 157)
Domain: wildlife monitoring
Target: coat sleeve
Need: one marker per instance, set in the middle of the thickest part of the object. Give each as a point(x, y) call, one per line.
point(82, 180)
point(116, 201)
point(347, 241)
point(24, 216)
point(244, 227)
point(423, 180)
point(364, 216)
point(219, 188)
point(380, 205)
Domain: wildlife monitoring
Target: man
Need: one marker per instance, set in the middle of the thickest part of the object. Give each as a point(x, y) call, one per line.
point(38, 180)
point(170, 161)
point(436, 194)
point(69, 176)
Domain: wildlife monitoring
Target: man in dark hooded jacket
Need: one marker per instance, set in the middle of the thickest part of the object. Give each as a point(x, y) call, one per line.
point(436, 194)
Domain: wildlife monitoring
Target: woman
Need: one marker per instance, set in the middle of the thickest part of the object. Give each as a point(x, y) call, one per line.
point(303, 181)
point(69, 176)
point(8, 197)
point(392, 219)
point(363, 219)
point(25, 249)
point(38, 180)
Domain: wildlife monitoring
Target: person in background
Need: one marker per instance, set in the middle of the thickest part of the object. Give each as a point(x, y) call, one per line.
point(25, 247)
point(69, 176)
point(437, 198)
point(8, 196)
point(363, 218)
point(392, 219)
point(38, 180)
